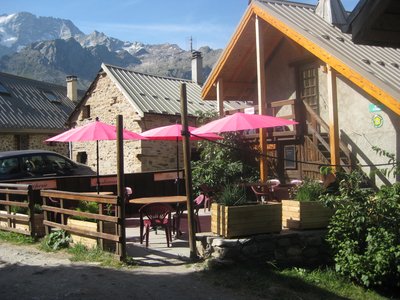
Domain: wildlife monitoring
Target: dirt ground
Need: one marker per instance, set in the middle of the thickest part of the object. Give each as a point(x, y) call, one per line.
point(28, 273)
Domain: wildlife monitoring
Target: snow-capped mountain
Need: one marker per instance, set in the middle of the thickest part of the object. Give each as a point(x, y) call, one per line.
point(47, 48)
point(21, 29)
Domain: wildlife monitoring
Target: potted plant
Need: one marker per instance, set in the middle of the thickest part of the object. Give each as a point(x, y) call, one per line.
point(304, 210)
point(232, 216)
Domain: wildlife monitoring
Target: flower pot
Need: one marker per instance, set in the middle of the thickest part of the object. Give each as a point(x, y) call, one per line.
point(305, 214)
point(245, 220)
point(91, 242)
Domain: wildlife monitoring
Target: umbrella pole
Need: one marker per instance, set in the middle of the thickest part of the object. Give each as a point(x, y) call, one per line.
point(98, 179)
point(177, 167)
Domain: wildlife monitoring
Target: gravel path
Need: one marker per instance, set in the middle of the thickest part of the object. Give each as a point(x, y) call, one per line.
point(28, 273)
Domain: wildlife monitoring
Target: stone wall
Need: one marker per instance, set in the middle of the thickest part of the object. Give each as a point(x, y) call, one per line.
point(289, 248)
point(35, 141)
point(106, 101)
point(7, 142)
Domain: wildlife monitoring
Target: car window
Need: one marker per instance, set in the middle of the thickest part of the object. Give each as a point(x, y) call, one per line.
point(59, 164)
point(33, 164)
point(9, 166)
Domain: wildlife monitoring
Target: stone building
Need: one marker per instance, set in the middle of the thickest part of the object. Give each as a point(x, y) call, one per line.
point(145, 101)
point(32, 111)
point(296, 60)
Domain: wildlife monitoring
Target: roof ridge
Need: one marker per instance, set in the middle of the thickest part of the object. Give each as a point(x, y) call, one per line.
point(148, 74)
point(287, 2)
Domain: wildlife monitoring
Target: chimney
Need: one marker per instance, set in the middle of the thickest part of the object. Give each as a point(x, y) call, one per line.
point(332, 11)
point(197, 67)
point(72, 88)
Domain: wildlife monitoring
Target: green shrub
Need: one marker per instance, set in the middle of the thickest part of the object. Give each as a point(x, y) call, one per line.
point(56, 240)
point(23, 210)
point(89, 207)
point(364, 232)
point(232, 195)
point(308, 190)
point(230, 160)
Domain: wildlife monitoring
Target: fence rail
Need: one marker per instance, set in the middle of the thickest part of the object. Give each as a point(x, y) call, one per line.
point(59, 207)
point(12, 198)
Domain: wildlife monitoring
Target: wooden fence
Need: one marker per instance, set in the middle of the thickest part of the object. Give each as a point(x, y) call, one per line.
point(13, 197)
point(60, 208)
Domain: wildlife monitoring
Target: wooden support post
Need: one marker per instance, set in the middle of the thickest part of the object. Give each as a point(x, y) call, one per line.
point(220, 97)
point(31, 212)
point(188, 173)
point(121, 246)
point(333, 117)
point(262, 98)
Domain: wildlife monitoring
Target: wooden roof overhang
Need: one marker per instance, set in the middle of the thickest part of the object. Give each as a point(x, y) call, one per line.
point(376, 23)
point(237, 67)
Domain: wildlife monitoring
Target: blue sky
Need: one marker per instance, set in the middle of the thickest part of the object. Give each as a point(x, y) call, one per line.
point(209, 22)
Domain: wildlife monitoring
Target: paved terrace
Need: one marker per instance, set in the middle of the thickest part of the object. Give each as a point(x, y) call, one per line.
point(158, 254)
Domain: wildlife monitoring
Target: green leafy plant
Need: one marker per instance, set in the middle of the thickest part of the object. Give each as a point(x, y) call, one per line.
point(394, 170)
point(37, 209)
point(364, 232)
point(16, 238)
point(89, 207)
point(56, 240)
point(225, 161)
point(228, 161)
point(308, 190)
point(232, 195)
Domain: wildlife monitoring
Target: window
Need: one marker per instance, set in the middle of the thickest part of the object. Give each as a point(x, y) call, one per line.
point(86, 112)
point(57, 164)
point(52, 97)
point(22, 142)
point(3, 89)
point(9, 166)
point(82, 157)
point(309, 85)
point(289, 154)
point(33, 164)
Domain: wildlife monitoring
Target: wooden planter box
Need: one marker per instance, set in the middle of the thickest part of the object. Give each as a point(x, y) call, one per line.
point(246, 220)
point(91, 242)
point(305, 214)
point(23, 225)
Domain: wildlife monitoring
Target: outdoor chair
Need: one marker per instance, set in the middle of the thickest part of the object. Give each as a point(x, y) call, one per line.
point(153, 216)
point(208, 193)
point(265, 191)
point(180, 214)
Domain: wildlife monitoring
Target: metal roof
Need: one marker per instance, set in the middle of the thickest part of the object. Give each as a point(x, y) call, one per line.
point(24, 106)
point(380, 65)
point(161, 95)
point(375, 22)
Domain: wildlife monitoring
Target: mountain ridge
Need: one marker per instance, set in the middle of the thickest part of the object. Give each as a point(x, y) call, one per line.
point(49, 49)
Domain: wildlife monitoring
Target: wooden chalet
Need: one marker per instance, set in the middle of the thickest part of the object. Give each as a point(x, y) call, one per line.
point(293, 60)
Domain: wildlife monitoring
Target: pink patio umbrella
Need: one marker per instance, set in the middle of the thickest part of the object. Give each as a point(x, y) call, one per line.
point(174, 133)
point(94, 131)
point(241, 121)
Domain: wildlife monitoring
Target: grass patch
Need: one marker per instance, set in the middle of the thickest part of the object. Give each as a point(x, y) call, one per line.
point(59, 242)
point(267, 281)
point(80, 252)
point(16, 238)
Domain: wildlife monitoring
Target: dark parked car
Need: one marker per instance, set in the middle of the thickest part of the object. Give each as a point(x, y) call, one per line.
point(38, 163)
